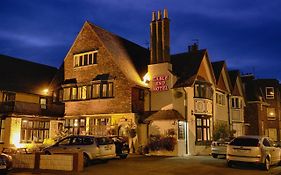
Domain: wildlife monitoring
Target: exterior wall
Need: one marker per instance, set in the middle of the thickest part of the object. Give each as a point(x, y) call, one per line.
point(237, 118)
point(28, 98)
point(255, 115)
point(121, 103)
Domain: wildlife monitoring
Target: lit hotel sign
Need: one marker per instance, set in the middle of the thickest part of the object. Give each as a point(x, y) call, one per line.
point(160, 83)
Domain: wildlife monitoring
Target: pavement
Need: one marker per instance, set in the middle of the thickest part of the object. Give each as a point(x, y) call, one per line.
point(152, 165)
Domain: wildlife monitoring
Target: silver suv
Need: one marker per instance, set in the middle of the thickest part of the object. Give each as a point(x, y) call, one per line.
point(91, 146)
point(253, 149)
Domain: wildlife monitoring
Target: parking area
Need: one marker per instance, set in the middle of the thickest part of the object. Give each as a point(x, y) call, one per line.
point(140, 165)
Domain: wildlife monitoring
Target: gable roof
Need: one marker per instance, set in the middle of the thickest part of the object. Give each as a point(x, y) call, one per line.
point(186, 66)
point(131, 58)
point(233, 75)
point(24, 76)
point(217, 68)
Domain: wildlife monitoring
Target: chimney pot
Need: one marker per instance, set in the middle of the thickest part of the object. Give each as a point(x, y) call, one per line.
point(159, 15)
point(153, 16)
point(165, 13)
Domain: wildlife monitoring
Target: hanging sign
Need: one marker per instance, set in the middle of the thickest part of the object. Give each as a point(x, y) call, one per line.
point(160, 83)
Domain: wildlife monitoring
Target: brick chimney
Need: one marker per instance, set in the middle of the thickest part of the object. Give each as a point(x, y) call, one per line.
point(160, 38)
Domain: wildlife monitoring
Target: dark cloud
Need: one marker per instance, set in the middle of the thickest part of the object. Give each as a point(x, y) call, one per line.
point(244, 33)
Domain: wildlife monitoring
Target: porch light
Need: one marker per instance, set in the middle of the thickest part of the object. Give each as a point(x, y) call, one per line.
point(45, 91)
point(146, 78)
point(271, 113)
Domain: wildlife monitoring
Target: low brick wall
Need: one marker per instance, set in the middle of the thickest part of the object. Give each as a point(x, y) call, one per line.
point(63, 162)
point(56, 162)
point(24, 161)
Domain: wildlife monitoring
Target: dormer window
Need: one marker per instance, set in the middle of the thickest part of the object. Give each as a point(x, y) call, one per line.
point(269, 92)
point(86, 58)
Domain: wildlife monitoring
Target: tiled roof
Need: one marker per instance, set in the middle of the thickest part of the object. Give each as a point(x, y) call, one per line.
point(233, 74)
point(24, 76)
point(186, 65)
point(131, 58)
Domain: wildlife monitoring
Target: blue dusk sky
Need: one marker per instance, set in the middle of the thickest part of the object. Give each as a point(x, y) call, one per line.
point(247, 34)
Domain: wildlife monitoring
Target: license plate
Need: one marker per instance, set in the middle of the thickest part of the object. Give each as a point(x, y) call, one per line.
point(3, 167)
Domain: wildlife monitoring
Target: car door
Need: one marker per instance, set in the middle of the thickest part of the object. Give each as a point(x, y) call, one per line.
point(275, 152)
point(270, 150)
point(62, 145)
point(106, 147)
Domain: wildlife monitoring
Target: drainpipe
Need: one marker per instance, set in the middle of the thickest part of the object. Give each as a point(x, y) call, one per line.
point(228, 112)
point(185, 116)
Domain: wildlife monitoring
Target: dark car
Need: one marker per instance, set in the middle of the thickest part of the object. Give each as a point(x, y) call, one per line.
point(122, 146)
point(6, 163)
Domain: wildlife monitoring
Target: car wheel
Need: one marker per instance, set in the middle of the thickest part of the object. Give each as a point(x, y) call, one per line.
point(86, 160)
point(215, 155)
point(229, 163)
point(123, 156)
point(266, 164)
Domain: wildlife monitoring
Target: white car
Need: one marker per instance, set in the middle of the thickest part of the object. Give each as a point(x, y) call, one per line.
point(218, 148)
point(253, 149)
point(91, 146)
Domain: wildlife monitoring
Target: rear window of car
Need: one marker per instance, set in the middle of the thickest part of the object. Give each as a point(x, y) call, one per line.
point(104, 141)
point(244, 142)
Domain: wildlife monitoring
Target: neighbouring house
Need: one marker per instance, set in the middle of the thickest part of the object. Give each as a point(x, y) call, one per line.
point(263, 107)
point(237, 103)
point(28, 115)
point(222, 97)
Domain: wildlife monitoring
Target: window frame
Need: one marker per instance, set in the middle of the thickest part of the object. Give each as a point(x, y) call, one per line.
point(28, 131)
point(85, 59)
point(205, 124)
point(269, 117)
point(2, 130)
point(267, 94)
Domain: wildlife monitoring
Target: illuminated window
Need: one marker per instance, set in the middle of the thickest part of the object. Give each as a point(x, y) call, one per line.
point(74, 93)
point(34, 130)
point(84, 59)
point(269, 92)
point(271, 114)
point(76, 126)
point(2, 130)
point(202, 129)
point(43, 103)
point(66, 94)
point(96, 90)
point(60, 95)
point(181, 130)
point(99, 126)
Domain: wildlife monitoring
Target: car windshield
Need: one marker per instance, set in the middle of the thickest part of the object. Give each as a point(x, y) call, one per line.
point(244, 142)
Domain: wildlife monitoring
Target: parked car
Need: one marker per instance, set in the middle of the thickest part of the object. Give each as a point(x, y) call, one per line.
point(6, 163)
point(92, 147)
point(253, 149)
point(218, 148)
point(122, 146)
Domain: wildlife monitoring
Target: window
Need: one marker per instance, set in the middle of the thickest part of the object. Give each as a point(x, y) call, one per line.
point(272, 133)
point(181, 130)
point(66, 93)
point(271, 114)
point(60, 95)
point(2, 129)
point(203, 90)
point(99, 126)
point(9, 97)
point(235, 102)
point(76, 126)
point(34, 130)
point(220, 98)
point(96, 91)
point(269, 92)
point(202, 129)
point(43, 103)
point(74, 93)
point(55, 97)
point(84, 59)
